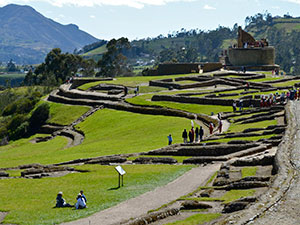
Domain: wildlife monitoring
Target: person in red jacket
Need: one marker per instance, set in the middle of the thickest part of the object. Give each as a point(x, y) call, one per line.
point(211, 127)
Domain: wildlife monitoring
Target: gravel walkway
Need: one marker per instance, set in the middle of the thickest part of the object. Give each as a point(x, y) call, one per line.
point(140, 205)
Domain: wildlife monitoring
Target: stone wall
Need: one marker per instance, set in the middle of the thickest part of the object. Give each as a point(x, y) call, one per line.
point(182, 68)
point(81, 81)
point(251, 56)
point(204, 101)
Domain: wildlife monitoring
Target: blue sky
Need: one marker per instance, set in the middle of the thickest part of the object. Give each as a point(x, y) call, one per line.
point(106, 19)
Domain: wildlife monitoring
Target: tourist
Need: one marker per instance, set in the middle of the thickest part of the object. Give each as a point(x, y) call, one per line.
point(282, 98)
point(234, 106)
point(241, 105)
point(170, 139)
point(184, 136)
point(81, 203)
point(190, 136)
point(211, 127)
point(193, 134)
point(201, 133)
point(125, 91)
point(60, 201)
point(220, 126)
point(197, 134)
point(81, 192)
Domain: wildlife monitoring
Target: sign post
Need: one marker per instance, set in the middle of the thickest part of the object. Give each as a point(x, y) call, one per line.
point(121, 172)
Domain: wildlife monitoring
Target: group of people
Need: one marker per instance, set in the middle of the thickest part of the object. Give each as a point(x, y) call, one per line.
point(80, 201)
point(194, 135)
point(239, 104)
point(273, 99)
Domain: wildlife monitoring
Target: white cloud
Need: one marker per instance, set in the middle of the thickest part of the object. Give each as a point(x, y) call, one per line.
point(275, 7)
point(208, 7)
point(92, 16)
point(89, 3)
point(293, 1)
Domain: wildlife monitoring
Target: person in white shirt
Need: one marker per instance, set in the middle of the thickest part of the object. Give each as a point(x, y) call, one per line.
point(80, 204)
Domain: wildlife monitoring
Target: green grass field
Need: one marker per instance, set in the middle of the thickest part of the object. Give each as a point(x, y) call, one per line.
point(31, 201)
point(118, 132)
point(109, 132)
point(57, 117)
point(194, 108)
point(131, 81)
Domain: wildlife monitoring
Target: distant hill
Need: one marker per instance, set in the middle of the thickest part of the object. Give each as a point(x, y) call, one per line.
point(281, 32)
point(26, 36)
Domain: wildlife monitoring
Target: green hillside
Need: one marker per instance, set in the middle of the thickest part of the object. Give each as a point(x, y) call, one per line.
point(197, 45)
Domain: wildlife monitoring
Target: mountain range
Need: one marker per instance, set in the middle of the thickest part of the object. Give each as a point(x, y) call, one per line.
point(26, 36)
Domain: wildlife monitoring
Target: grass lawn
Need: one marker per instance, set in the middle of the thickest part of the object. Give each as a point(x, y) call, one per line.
point(30, 201)
point(132, 81)
point(229, 196)
point(107, 132)
point(248, 171)
point(255, 138)
point(194, 108)
point(197, 219)
point(58, 113)
point(288, 83)
point(237, 127)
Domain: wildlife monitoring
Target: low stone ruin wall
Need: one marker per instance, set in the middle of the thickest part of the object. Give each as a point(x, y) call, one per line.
point(85, 95)
point(211, 150)
point(81, 81)
point(182, 68)
point(204, 101)
point(132, 108)
point(160, 83)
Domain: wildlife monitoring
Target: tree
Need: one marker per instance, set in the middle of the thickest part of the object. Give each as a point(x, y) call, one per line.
point(113, 62)
point(57, 68)
point(88, 67)
point(11, 67)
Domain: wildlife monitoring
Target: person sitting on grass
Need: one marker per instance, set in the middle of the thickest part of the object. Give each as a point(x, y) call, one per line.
point(80, 204)
point(81, 192)
point(60, 201)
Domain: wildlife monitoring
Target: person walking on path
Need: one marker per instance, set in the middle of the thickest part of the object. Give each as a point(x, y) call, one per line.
point(211, 127)
point(170, 139)
point(184, 136)
point(197, 134)
point(201, 133)
point(220, 126)
point(234, 106)
point(190, 136)
point(125, 91)
point(193, 134)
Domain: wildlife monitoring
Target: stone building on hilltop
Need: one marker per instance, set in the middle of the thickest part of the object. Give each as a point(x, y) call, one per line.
point(249, 53)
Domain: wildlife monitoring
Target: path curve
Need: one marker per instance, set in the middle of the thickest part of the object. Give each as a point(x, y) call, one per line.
point(140, 205)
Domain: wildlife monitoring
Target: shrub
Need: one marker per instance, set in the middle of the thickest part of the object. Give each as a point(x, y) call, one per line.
point(39, 116)
point(9, 109)
point(15, 122)
point(20, 132)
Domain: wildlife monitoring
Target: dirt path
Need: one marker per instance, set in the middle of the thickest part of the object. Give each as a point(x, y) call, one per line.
point(287, 210)
point(151, 200)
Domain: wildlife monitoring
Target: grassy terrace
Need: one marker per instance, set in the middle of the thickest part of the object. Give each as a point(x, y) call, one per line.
point(57, 117)
point(193, 108)
point(197, 219)
point(109, 132)
point(30, 201)
point(117, 132)
point(129, 81)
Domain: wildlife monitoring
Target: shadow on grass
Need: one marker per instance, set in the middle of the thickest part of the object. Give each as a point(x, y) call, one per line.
point(113, 189)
